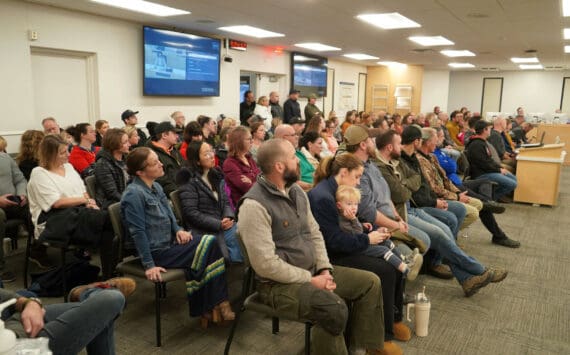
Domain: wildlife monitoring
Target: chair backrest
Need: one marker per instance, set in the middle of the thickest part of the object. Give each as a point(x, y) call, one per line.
point(117, 223)
point(90, 185)
point(177, 207)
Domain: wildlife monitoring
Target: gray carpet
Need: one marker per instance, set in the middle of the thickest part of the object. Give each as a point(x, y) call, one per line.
point(528, 313)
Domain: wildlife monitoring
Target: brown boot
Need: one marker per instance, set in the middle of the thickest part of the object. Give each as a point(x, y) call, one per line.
point(499, 274)
point(124, 284)
point(473, 284)
point(390, 348)
point(402, 332)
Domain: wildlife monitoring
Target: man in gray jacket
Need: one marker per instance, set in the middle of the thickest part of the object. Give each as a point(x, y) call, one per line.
point(287, 251)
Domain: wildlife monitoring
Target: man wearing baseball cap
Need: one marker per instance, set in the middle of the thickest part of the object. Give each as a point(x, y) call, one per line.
point(291, 107)
point(163, 142)
point(129, 117)
point(311, 109)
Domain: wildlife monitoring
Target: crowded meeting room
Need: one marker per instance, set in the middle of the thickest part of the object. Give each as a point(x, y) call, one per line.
point(285, 177)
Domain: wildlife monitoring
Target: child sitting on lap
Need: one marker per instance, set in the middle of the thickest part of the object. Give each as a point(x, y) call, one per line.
point(347, 200)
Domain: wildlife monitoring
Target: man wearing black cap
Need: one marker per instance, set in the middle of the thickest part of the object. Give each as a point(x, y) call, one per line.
point(311, 109)
point(482, 164)
point(298, 125)
point(291, 107)
point(163, 142)
point(129, 117)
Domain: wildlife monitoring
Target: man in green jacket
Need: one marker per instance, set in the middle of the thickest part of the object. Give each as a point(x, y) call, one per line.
point(311, 109)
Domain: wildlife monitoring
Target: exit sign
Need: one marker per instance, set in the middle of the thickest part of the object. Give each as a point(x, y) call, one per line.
point(238, 45)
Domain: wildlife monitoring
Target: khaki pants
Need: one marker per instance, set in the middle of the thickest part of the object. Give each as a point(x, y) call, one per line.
point(473, 207)
point(329, 312)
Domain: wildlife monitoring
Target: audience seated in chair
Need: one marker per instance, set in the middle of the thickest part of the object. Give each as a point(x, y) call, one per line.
point(82, 155)
point(161, 243)
point(162, 144)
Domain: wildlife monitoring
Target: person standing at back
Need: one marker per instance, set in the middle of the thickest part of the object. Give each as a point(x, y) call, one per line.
point(276, 109)
point(246, 108)
point(291, 107)
point(311, 109)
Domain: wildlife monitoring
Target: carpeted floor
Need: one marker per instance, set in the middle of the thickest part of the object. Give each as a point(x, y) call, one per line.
point(528, 313)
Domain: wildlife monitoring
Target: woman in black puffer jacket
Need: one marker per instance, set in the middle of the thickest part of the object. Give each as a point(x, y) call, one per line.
point(205, 205)
point(110, 170)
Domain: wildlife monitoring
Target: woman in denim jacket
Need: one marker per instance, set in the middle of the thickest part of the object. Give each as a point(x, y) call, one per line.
point(161, 243)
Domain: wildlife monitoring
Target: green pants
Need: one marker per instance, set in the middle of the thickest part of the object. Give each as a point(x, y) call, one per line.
point(327, 310)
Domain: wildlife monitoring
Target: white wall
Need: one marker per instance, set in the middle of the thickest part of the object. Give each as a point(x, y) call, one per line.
point(435, 90)
point(117, 45)
point(535, 91)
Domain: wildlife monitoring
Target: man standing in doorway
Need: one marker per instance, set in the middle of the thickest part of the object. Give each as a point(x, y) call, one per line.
point(276, 109)
point(246, 108)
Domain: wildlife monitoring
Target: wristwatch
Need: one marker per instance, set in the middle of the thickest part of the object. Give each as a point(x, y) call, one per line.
point(33, 299)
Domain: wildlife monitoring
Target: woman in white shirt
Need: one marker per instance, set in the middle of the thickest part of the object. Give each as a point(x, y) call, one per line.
point(61, 207)
point(263, 110)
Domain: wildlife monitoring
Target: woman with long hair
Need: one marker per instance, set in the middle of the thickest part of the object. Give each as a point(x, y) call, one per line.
point(61, 208)
point(206, 208)
point(110, 169)
point(329, 137)
point(239, 168)
point(348, 121)
point(28, 157)
point(258, 135)
point(209, 129)
point(161, 243)
point(345, 248)
point(101, 127)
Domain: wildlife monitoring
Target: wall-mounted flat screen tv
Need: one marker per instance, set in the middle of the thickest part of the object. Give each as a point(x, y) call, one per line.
point(309, 74)
point(180, 64)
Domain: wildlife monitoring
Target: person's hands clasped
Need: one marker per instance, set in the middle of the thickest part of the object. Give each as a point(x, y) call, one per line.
point(153, 274)
point(463, 197)
point(183, 237)
point(504, 171)
point(324, 281)
point(5, 202)
point(403, 226)
point(32, 318)
point(227, 223)
point(441, 204)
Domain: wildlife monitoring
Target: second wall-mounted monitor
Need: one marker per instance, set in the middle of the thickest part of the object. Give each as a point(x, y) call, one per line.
point(309, 74)
point(180, 64)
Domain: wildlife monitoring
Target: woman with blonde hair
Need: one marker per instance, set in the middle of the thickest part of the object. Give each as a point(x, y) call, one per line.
point(28, 157)
point(263, 110)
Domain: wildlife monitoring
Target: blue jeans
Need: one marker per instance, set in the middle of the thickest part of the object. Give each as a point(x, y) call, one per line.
point(72, 327)
point(507, 183)
point(233, 245)
point(453, 217)
point(443, 244)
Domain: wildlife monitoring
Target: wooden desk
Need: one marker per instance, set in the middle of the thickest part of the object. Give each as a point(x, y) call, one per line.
point(551, 132)
point(538, 174)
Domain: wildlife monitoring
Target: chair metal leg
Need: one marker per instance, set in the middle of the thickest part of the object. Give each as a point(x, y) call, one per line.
point(308, 338)
point(27, 260)
point(63, 281)
point(157, 293)
point(232, 331)
point(274, 325)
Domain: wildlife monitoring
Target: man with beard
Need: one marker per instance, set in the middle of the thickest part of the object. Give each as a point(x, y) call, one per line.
point(288, 133)
point(287, 252)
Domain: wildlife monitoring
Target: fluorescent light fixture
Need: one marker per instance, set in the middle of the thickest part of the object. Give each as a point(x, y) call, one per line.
point(146, 7)
point(565, 8)
point(302, 58)
point(431, 40)
point(392, 64)
point(388, 21)
point(457, 53)
point(319, 47)
point(461, 65)
point(531, 66)
point(566, 33)
point(251, 31)
point(524, 60)
point(360, 56)
point(566, 49)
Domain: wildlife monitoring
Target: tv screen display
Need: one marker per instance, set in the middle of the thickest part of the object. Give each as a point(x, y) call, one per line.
point(180, 64)
point(309, 74)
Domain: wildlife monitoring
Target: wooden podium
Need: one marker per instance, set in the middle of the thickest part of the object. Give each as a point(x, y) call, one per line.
point(538, 174)
point(562, 131)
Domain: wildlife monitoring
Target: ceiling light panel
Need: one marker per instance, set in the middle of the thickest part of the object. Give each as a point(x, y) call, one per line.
point(531, 66)
point(431, 41)
point(461, 65)
point(392, 64)
point(519, 60)
point(389, 21)
point(566, 49)
point(360, 56)
point(319, 47)
point(457, 53)
point(146, 7)
point(251, 31)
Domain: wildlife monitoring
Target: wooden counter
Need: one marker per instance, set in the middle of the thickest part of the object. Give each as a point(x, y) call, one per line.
point(551, 132)
point(538, 174)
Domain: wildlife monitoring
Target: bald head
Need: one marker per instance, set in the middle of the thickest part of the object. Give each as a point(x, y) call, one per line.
point(270, 152)
point(283, 130)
